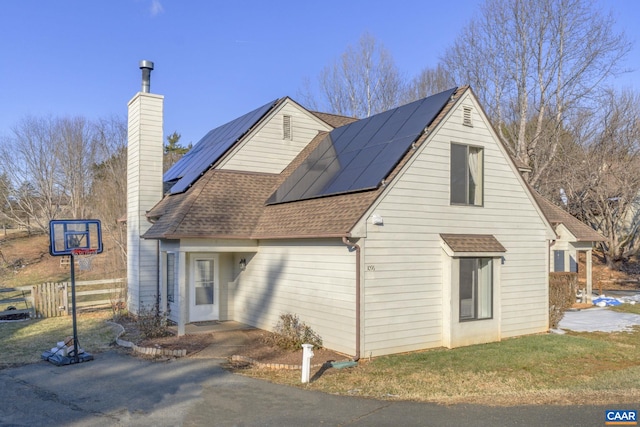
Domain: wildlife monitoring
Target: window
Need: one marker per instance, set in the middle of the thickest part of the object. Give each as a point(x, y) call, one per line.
point(558, 261)
point(286, 128)
point(476, 288)
point(171, 276)
point(466, 175)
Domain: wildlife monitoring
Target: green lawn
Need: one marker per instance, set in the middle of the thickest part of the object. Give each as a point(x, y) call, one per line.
point(575, 368)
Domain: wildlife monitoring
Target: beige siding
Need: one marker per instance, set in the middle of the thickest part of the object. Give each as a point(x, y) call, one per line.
point(144, 190)
point(403, 264)
point(266, 150)
point(314, 279)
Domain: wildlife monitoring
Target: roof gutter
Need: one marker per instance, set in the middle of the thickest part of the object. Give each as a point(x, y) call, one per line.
point(346, 241)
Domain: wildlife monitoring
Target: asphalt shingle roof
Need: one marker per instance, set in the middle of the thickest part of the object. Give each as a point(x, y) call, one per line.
point(473, 243)
point(231, 204)
point(556, 215)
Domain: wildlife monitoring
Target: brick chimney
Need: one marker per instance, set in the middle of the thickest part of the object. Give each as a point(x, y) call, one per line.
point(144, 190)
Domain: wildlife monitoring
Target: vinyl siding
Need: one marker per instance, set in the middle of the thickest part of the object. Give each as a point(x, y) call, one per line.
point(403, 268)
point(144, 190)
point(314, 279)
point(266, 150)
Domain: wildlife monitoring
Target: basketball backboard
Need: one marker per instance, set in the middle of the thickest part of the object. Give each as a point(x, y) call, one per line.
point(69, 234)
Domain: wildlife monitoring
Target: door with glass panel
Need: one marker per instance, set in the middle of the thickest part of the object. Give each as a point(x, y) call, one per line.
point(203, 289)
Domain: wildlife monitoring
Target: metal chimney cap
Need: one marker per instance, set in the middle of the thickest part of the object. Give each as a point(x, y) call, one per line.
point(146, 64)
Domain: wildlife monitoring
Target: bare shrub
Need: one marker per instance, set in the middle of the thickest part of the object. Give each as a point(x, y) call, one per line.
point(151, 323)
point(562, 295)
point(290, 333)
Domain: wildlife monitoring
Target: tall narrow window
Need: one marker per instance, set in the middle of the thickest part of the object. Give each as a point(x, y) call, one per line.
point(466, 175)
point(171, 276)
point(476, 289)
point(286, 128)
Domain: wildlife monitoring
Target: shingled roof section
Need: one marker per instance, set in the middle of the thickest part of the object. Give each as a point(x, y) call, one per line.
point(222, 204)
point(473, 243)
point(556, 215)
point(333, 119)
point(231, 204)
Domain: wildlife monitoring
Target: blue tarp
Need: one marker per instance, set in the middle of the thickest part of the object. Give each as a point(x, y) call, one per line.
point(608, 301)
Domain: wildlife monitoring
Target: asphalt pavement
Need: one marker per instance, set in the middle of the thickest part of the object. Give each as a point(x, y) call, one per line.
point(117, 389)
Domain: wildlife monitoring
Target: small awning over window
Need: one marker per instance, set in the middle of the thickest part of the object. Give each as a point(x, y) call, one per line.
point(472, 245)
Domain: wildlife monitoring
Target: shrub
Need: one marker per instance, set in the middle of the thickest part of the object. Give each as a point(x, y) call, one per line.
point(290, 333)
point(151, 323)
point(562, 295)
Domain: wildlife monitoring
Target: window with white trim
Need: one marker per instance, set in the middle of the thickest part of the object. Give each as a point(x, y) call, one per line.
point(467, 170)
point(476, 288)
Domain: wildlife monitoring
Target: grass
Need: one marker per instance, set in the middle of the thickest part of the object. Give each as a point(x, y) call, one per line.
point(576, 368)
point(23, 342)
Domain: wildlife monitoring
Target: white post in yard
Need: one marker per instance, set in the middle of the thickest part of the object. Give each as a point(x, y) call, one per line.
point(307, 354)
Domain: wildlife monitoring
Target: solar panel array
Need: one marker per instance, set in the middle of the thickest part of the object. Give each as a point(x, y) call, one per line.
point(358, 156)
point(210, 148)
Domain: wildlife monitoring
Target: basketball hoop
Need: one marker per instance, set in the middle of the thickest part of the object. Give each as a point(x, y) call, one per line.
point(84, 256)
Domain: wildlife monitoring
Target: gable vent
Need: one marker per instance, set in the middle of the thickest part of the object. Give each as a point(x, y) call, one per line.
point(286, 128)
point(466, 116)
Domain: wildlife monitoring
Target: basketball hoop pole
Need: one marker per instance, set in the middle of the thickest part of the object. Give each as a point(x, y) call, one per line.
point(76, 357)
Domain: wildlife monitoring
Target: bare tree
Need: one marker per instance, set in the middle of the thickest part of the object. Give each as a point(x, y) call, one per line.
point(430, 81)
point(109, 186)
point(362, 82)
point(77, 156)
point(534, 64)
point(30, 158)
point(600, 175)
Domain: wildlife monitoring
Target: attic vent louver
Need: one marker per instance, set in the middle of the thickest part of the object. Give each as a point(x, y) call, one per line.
point(286, 128)
point(466, 116)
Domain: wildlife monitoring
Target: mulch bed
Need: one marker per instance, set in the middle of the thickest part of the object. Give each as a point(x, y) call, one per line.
point(258, 350)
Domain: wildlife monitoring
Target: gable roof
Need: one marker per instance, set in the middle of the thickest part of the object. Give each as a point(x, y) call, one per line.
point(206, 152)
point(358, 156)
point(231, 204)
point(556, 215)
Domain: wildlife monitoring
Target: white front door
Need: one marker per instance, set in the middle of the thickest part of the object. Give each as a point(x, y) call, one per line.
point(203, 288)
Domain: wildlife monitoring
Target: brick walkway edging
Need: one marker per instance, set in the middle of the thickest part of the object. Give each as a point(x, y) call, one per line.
point(150, 351)
point(271, 365)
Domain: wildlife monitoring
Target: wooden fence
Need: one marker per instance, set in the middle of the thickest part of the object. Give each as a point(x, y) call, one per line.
point(54, 299)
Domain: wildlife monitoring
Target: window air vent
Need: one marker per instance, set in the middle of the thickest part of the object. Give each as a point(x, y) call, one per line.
point(286, 128)
point(466, 116)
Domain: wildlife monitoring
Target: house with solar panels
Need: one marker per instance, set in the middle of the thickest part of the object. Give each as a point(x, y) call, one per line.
point(407, 230)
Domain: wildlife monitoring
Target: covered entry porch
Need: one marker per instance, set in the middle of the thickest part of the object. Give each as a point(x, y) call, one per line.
point(198, 280)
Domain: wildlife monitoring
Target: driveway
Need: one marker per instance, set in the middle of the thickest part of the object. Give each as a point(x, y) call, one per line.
point(119, 390)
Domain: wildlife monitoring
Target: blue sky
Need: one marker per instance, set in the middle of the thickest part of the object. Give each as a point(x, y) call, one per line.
point(214, 60)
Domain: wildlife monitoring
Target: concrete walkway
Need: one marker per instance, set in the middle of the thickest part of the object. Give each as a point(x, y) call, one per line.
point(119, 390)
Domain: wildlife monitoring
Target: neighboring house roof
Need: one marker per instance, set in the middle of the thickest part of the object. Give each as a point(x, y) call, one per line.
point(232, 204)
point(556, 215)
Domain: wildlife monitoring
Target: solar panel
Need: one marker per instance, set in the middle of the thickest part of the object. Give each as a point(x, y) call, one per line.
point(358, 156)
point(210, 148)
